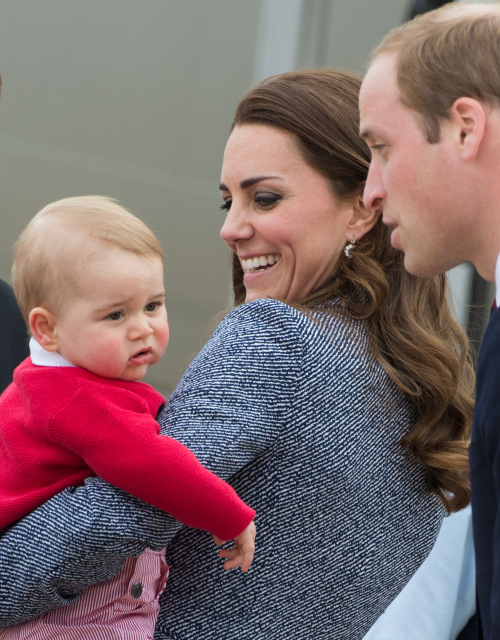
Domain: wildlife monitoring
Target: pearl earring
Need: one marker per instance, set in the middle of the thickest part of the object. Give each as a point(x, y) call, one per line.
point(350, 248)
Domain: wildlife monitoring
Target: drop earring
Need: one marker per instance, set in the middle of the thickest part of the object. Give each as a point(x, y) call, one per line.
point(350, 248)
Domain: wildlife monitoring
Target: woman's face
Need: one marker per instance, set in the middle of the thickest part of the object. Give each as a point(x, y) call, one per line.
point(283, 221)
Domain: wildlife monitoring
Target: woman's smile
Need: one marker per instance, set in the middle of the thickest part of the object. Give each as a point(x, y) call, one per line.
point(282, 218)
point(259, 263)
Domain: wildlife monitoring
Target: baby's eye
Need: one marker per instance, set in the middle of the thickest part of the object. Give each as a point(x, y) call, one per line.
point(116, 315)
point(152, 306)
point(226, 205)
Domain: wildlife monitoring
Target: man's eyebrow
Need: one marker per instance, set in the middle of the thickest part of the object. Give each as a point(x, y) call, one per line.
point(365, 133)
point(249, 182)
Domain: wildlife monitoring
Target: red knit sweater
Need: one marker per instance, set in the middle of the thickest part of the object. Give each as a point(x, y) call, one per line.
point(59, 425)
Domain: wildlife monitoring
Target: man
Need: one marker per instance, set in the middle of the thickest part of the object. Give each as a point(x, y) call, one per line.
point(13, 335)
point(430, 113)
point(422, 6)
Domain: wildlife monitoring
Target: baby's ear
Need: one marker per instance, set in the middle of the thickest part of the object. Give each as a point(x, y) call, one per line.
point(43, 328)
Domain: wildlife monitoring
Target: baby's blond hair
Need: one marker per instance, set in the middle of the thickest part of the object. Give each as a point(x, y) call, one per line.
point(54, 249)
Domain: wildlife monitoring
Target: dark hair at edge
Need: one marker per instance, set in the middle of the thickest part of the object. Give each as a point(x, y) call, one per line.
point(413, 333)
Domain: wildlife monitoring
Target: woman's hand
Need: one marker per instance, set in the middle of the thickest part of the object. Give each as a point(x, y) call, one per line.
point(243, 551)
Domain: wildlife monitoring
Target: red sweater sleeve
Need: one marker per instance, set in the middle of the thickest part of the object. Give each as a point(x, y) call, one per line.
point(118, 438)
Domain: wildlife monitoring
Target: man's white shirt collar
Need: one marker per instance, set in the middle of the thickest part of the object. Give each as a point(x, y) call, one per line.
point(43, 358)
point(497, 282)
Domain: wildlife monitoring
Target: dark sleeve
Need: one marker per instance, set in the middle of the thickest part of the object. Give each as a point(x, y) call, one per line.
point(484, 461)
point(13, 335)
point(228, 408)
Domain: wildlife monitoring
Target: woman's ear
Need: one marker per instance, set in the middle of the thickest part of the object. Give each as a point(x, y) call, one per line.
point(43, 328)
point(362, 220)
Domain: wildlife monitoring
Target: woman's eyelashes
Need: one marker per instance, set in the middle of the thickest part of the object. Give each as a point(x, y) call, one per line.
point(262, 201)
point(267, 200)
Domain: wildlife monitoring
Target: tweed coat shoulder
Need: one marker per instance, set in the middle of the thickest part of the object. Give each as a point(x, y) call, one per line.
point(305, 424)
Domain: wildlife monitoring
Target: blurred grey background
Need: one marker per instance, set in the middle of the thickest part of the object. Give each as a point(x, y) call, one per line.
point(134, 99)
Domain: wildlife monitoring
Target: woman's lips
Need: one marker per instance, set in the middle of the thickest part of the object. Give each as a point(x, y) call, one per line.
point(259, 263)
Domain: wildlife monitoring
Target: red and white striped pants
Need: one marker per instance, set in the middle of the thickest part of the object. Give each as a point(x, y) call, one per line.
point(123, 608)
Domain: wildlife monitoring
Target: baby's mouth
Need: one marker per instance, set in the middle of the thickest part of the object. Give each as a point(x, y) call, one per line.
point(143, 353)
point(259, 263)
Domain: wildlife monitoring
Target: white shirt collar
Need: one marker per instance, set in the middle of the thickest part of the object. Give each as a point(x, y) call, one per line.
point(497, 282)
point(43, 358)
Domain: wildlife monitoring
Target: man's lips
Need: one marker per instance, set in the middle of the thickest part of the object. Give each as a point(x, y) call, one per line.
point(394, 235)
point(143, 356)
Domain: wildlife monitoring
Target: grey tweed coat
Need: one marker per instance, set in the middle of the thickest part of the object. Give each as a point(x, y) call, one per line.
point(306, 426)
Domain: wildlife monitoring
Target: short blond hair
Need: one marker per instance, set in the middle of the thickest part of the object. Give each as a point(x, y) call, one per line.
point(53, 249)
point(444, 55)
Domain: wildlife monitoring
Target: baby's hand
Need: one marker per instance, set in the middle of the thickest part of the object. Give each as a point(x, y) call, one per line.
point(242, 552)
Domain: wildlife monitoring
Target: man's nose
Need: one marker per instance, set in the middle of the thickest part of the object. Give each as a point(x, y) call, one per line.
point(374, 194)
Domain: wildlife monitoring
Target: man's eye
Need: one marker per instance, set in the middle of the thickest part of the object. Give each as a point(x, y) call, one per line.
point(152, 306)
point(116, 315)
point(226, 205)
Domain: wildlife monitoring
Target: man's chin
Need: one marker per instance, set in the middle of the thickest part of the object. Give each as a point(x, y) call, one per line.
point(421, 268)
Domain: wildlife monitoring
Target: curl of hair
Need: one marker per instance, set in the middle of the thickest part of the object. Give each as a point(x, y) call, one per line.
point(413, 333)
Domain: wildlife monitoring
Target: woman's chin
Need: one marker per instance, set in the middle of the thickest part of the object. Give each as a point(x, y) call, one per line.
point(261, 284)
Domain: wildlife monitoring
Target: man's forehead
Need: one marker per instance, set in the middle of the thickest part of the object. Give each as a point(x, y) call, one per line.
point(378, 95)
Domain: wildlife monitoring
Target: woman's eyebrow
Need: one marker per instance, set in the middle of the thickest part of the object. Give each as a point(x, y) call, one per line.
point(249, 182)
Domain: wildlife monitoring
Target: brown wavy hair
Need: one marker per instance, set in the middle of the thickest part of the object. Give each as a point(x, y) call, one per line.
point(413, 333)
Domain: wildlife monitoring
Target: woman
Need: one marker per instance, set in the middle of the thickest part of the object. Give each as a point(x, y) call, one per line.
point(337, 400)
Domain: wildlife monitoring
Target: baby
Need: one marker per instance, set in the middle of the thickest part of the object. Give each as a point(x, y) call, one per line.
point(88, 276)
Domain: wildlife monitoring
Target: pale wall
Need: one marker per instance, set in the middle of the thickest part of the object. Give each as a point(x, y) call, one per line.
point(134, 100)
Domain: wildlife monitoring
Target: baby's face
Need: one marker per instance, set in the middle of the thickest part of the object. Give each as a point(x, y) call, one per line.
point(117, 326)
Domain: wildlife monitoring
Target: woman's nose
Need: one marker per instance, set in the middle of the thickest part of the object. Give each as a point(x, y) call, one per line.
point(236, 227)
point(374, 194)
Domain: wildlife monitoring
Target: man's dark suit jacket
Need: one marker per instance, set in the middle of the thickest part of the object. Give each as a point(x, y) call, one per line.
point(13, 335)
point(484, 455)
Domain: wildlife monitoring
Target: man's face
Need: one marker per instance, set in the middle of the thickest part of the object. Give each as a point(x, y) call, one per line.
point(415, 183)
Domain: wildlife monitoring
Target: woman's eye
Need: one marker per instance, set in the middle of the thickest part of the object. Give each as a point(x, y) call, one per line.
point(226, 205)
point(377, 147)
point(116, 315)
point(152, 306)
point(268, 200)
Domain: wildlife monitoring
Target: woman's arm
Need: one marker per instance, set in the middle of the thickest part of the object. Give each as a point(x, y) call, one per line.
point(228, 408)
point(78, 538)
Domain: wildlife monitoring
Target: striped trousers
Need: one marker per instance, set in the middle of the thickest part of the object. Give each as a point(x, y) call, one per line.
point(122, 608)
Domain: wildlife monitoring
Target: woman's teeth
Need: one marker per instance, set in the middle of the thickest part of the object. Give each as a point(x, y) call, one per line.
point(259, 263)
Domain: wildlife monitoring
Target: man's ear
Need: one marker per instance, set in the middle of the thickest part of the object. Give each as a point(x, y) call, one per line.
point(43, 327)
point(468, 122)
point(362, 220)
